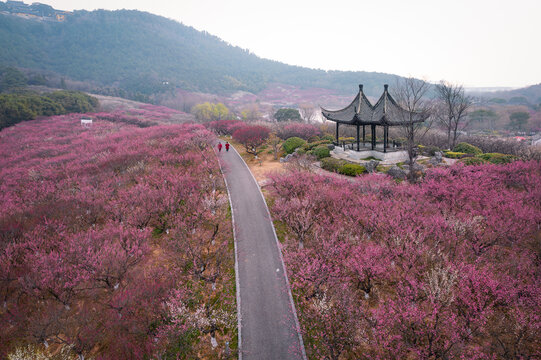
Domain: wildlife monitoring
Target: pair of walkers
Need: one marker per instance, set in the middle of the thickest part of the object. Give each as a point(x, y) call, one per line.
point(220, 146)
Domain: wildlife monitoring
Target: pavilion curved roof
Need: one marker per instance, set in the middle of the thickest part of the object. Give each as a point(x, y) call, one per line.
point(386, 111)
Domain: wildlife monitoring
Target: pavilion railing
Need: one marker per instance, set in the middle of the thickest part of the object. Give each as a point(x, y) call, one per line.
point(392, 145)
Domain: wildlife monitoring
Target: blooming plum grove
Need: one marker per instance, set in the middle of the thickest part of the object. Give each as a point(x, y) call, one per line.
point(304, 131)
point(144, 116)
point(225, 127)
point(114, 240)
point(252, 137)
point(449, 268)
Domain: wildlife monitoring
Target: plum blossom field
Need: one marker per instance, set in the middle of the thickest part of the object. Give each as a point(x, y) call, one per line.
point(145, 115)
point(449, 268)
point(115, 242)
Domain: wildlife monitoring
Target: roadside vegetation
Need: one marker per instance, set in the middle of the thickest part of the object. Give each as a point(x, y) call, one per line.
point(443, 269)
point(115, 242)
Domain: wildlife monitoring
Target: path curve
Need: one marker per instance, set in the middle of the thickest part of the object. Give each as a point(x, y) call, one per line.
point(267, 320)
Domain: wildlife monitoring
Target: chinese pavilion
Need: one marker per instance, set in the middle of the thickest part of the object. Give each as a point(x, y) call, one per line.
point(387, 112)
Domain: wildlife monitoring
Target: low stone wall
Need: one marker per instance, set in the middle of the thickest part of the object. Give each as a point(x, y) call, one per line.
point(391, 156)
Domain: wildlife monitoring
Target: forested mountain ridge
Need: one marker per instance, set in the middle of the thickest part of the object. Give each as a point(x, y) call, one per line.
point(530, 95)
point(138, 51)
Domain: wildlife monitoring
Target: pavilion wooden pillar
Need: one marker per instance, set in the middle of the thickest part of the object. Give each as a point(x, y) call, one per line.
point(385, 137)
point(358, 138)
point(364, 134)
point(373, 136)
point(337, 137)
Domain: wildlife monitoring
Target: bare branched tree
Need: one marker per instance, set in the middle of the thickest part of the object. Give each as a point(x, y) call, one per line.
point(452, 110)
point(308, 112)
point(411, 95)
point(274, 141)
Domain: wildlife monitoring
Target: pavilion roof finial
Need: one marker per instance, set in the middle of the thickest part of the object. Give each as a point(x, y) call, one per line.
point(386, 87)
point(360, 87)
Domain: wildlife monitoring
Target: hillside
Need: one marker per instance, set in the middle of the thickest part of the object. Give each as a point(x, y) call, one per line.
point(531, 94)
point(141, 52)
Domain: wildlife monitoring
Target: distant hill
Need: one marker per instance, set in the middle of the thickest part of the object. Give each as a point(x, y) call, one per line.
point(138, 51)
point(530, 95)
point(35, 10)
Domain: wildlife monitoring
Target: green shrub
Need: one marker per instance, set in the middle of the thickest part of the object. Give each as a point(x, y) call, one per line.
point(27, 105)
point(74, 101)
point(322, 151)
point(347, 140)
point(467, 149)
point(497, 158)
point(429, 150)
point(454, 155)
point(351, 169)
point(331, 164)
point(328, 137)
point(292, 143)
point(473, 161)
point(311, 145)
point(301, 151)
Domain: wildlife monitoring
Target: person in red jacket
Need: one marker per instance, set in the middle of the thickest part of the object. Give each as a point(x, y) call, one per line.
point(220, 147)
point(226, 146)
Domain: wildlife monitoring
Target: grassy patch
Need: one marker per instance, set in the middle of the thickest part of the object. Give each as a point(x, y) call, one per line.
point(281, 230)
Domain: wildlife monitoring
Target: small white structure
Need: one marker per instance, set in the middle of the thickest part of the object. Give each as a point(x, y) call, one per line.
point(86, 121)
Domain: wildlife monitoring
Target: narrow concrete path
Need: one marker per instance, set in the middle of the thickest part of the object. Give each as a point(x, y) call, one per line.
point(268, 326)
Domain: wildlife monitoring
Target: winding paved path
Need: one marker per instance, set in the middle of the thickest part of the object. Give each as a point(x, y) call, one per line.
point(268, 326)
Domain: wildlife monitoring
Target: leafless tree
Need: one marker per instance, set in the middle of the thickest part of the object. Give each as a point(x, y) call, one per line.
point(308, 112)
point(411, 95)
point(251, 112)
point(452, 110)
point(274, 141)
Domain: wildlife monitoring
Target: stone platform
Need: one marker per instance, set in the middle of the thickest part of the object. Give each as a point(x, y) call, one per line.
point(390, 157)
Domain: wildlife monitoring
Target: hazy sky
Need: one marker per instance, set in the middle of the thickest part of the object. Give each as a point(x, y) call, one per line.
point(472, 42)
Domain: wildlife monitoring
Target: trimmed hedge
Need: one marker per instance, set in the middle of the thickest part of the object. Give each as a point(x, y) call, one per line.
point(332, 164)
point(454, 155)
point(466, 148)
point(497, 158)
point(342, 167)
point(351, 169)
point(473, 161)
point(347, 140)
point(292, 143)
point(311, 145)
point(328, 137)
point(429, 150)
point(322, 151)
